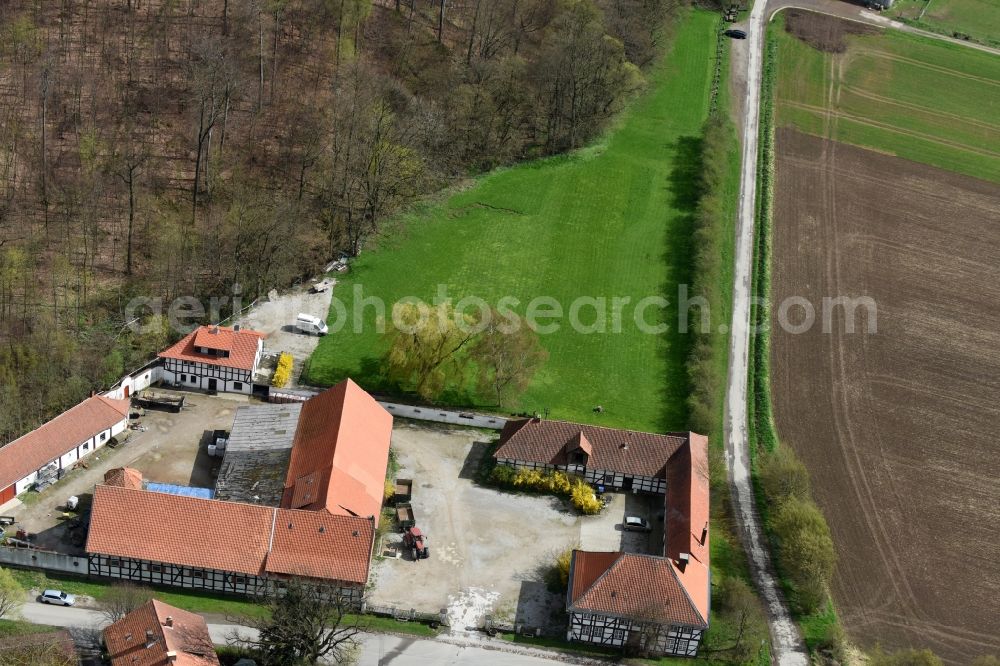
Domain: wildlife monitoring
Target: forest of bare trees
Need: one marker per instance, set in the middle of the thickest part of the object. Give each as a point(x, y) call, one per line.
point(179, 147)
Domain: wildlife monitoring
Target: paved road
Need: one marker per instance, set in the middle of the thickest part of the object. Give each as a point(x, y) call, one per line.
point(376, 649)
point(787, 646)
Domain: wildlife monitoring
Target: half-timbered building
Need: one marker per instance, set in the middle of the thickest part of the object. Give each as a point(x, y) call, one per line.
point(214, 358)
point(653, 604)
point(617, 459)
point(319, 524)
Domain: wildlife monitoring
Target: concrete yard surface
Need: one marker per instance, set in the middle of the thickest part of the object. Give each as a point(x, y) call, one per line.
point(172, 449)
point(276, 317)
point(491, 552)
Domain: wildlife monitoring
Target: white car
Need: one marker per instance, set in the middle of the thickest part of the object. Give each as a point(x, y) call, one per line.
point(58, 598)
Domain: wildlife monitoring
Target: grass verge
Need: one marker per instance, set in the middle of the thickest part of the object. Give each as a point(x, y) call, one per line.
point(201, 603)
point(818, 627)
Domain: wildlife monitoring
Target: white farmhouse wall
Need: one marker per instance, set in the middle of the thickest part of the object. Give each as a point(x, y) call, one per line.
point(25, 483)
point(135, 382)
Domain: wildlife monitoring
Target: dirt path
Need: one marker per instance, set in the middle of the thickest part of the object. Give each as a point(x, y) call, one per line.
point(787, 646)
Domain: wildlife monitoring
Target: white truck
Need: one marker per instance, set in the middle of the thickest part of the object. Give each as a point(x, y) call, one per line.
point(310, 325)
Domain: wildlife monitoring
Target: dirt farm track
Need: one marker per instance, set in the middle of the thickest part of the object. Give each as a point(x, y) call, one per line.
point(899, 427)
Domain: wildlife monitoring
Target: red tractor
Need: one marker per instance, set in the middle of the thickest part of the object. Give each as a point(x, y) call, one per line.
point(415, 540)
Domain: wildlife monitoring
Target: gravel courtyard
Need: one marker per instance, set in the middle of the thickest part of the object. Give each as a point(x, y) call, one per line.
point(489, 551)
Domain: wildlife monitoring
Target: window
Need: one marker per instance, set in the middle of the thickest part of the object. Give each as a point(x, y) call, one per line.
point(184, 378)
point(104, 436)
point(86, 447)
point(114, 562)
point(197, 573)
point(237, 386)
point(155, 568)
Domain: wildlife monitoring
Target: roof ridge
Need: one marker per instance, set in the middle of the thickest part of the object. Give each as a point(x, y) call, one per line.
point(679, 435)
point(687, 595)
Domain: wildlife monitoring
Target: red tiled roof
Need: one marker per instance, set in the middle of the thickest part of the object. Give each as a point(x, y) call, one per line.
point(586, 567)
point(181, 530)
point(187, 637)
point(228, 536)
point(639, 587)
point(340, 453)
point(242, 346)
point(315, 544)
point(59, 436)
point(687, 517)
point(125, 477)
point(626, 451)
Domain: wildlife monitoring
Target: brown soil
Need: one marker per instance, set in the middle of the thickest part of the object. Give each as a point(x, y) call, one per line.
point(826, 33)
point(898, 427)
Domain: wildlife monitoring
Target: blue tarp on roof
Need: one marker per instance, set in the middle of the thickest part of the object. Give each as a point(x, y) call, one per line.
point(186, 491)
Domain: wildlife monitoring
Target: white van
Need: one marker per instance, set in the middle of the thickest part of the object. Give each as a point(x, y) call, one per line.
point(311, 325)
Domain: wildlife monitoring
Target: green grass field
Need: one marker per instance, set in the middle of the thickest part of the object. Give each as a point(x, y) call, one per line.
point(979, 19)
point(612, 220)
point(910, 96)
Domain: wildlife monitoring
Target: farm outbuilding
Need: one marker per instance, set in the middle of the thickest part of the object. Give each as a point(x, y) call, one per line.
point(299, 494)
point(47, 452)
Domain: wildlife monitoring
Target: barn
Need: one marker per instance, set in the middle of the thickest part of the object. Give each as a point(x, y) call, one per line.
point(45, 453)
point(299, 494)
point(214, 358)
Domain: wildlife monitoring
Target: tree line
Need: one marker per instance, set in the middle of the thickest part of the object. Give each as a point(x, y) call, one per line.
point(166, 148)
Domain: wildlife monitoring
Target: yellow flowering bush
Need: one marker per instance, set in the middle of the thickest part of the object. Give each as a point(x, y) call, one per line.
point(548, 481)
point(283, 373)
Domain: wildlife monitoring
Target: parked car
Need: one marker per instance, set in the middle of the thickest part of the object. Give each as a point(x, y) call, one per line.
point(58, 597)
point(635, 524)
point(736, 34)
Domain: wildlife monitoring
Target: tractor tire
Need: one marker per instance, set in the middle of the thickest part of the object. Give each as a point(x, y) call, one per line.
point(426, 553)
point(415, 554)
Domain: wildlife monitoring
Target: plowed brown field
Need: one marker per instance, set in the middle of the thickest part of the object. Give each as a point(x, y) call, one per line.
point(900, 428)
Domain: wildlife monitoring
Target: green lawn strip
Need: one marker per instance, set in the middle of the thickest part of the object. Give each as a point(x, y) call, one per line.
point(205, 603)
point(222, 608)
point(933, 102)
point(612, 220)
point(761, 429)
point(23, 628)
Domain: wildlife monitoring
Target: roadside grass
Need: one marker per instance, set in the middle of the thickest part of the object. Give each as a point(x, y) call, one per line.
point(196, 602)
point(902, 94)
point(22, 628)
point(979, 19)
point(762, 433)
point(202, 603)
point(610, 220)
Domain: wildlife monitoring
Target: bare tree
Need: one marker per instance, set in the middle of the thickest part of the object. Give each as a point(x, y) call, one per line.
point(304, 624)
point(123, 598)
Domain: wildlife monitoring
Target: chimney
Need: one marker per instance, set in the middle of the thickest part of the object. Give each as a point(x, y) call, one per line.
point(215, 330)
point(682, 561)
point(623, 446)
point(150, 639)
point(236, 328)
point(169, 622)
point(704, 534)
point(172, 656)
